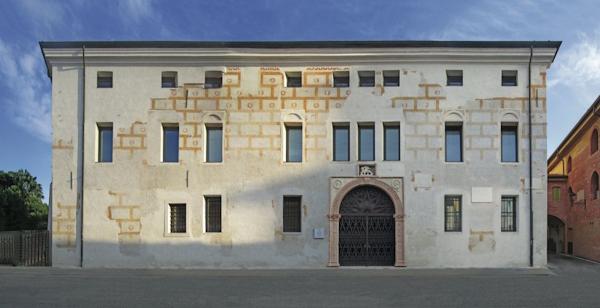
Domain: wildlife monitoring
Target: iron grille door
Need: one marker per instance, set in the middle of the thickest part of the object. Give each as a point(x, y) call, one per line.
point(353, 241)
point(381, 239)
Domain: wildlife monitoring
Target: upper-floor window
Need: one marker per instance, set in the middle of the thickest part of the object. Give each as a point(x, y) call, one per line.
point(294, 79)
point(293, 136)
point(169, 79)
point(105, 80)
point(509, 142)
point(213, 79)
point(105, 143)
point(454, 142)
point(214, 143)
point(555, 193)
point(569, 164)
point(391, 78)
point(341, 79)
point(366, 78)
point(170, 143)
point(366, 142)
point(594, 141)
point(391, 141)
point(341, 142)
point(594, 186)
point(509, 78)
point(454, 78)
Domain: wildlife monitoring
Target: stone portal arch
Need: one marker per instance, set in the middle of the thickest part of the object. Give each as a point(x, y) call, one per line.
point(334, 217)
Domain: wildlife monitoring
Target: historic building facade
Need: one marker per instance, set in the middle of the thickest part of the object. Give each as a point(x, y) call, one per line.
point(298, 154)
point(573, 190)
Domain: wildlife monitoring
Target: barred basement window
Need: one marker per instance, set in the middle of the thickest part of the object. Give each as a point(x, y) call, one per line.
point(291, 214)
point(213, 214)
point(177, 218)
point(452, 213)
point(509, 214)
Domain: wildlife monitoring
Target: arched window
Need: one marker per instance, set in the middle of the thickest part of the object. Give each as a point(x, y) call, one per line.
point(594, 186)
point(594, 141)
point(569, 165)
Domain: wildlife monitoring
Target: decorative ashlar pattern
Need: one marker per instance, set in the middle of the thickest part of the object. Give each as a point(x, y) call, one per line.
point(128, 218)
point(64, 222)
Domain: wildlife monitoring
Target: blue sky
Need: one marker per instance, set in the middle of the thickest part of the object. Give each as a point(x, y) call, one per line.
point(25, 106)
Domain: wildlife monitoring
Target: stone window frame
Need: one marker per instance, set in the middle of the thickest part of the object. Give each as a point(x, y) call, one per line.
point(167, 218)
point(292, 119)
point(101, 126)
point(454, 118)
point(510, 118)
point(213, 120)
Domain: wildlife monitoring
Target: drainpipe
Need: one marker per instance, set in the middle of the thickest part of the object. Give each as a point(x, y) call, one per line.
point(82, 157)
point(530, 167)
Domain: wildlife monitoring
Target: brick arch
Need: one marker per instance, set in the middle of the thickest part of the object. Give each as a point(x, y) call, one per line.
point(334, 218)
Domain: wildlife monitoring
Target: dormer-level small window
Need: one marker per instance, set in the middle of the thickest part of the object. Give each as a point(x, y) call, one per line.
point(105, 79)
point(366, 78)
point(454, 78)
point(169, 80)
point(341, 79)
point(213, 79)
point(391, 78)
point(509, 78)
point(294, 79)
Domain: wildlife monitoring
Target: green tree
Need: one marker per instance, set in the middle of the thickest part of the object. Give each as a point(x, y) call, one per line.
point(21, 205)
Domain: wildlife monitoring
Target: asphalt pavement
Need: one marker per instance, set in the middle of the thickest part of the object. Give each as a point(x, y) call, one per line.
point(568, 282)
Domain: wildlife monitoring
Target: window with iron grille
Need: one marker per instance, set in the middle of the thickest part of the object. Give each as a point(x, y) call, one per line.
point(177, 218)
point(213, 214)
point(291, 214)
point(509, 214)
point(452, 212)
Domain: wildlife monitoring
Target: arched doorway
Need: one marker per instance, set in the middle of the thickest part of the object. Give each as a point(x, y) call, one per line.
point(367, 228)
point(556, 235)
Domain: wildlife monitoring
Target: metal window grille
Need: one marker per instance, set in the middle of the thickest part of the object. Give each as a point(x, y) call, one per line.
point(452, 210)
point(213, 214)
point(178, 219)
point(509, 215)
point(291, 214)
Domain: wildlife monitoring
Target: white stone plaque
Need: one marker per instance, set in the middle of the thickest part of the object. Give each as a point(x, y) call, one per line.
point(482, 194)
point(319, 233)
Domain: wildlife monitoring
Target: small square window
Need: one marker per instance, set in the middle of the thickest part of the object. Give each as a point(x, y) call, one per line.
point(509, 78)
point(177, 218)
point(105, 143)
point(341, 79)
point(509, 214)
point(169, 80)
point(213, 214)
point(341, 142)
point(213, 79)
point(454, 78)
point(391, 78)
point(293, 136)
point(452, 213)
point(214, 144)
point(366, 142)
point(366, 78)
point(105, 79)
point(454, 142)
point(292, 221)
point(170, 143)
point(509, 142)
point(391, 135)
point(294, 79)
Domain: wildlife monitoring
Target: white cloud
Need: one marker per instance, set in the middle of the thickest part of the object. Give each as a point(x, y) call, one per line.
point(29, 103)
point(46, 13)
point(136, 9)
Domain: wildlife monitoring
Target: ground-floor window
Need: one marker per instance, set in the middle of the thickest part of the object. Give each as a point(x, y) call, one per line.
point(509, 214)
point(213, 214)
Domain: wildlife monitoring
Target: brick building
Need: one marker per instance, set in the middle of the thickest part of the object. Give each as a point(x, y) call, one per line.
point(298, 154)
point(573, 195)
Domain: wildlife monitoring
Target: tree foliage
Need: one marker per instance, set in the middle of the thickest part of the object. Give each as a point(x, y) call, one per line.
point(21, 205)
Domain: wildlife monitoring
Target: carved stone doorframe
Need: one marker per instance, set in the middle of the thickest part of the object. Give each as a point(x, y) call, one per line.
point(334, 216)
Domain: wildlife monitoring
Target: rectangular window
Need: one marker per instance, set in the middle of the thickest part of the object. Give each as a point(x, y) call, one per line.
point(454, 142)
point(391, 135)
point(452, 211)
point(341, 79)
point(509, 214)
point(292, 214)
point(341, 142)
point(454, 78)
point(213, 79)
point(177, 218)
point(105, 143)
point(366, 78)
point(213, 214)
point(214, 144)
point(293, 136)
point(555, 193)
point(169, 79)
point(509, 143)
point(294, 79)
point(391, 78)
point(366, 142)
point(170, 143)
point(509, 78)
point(105, 80)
